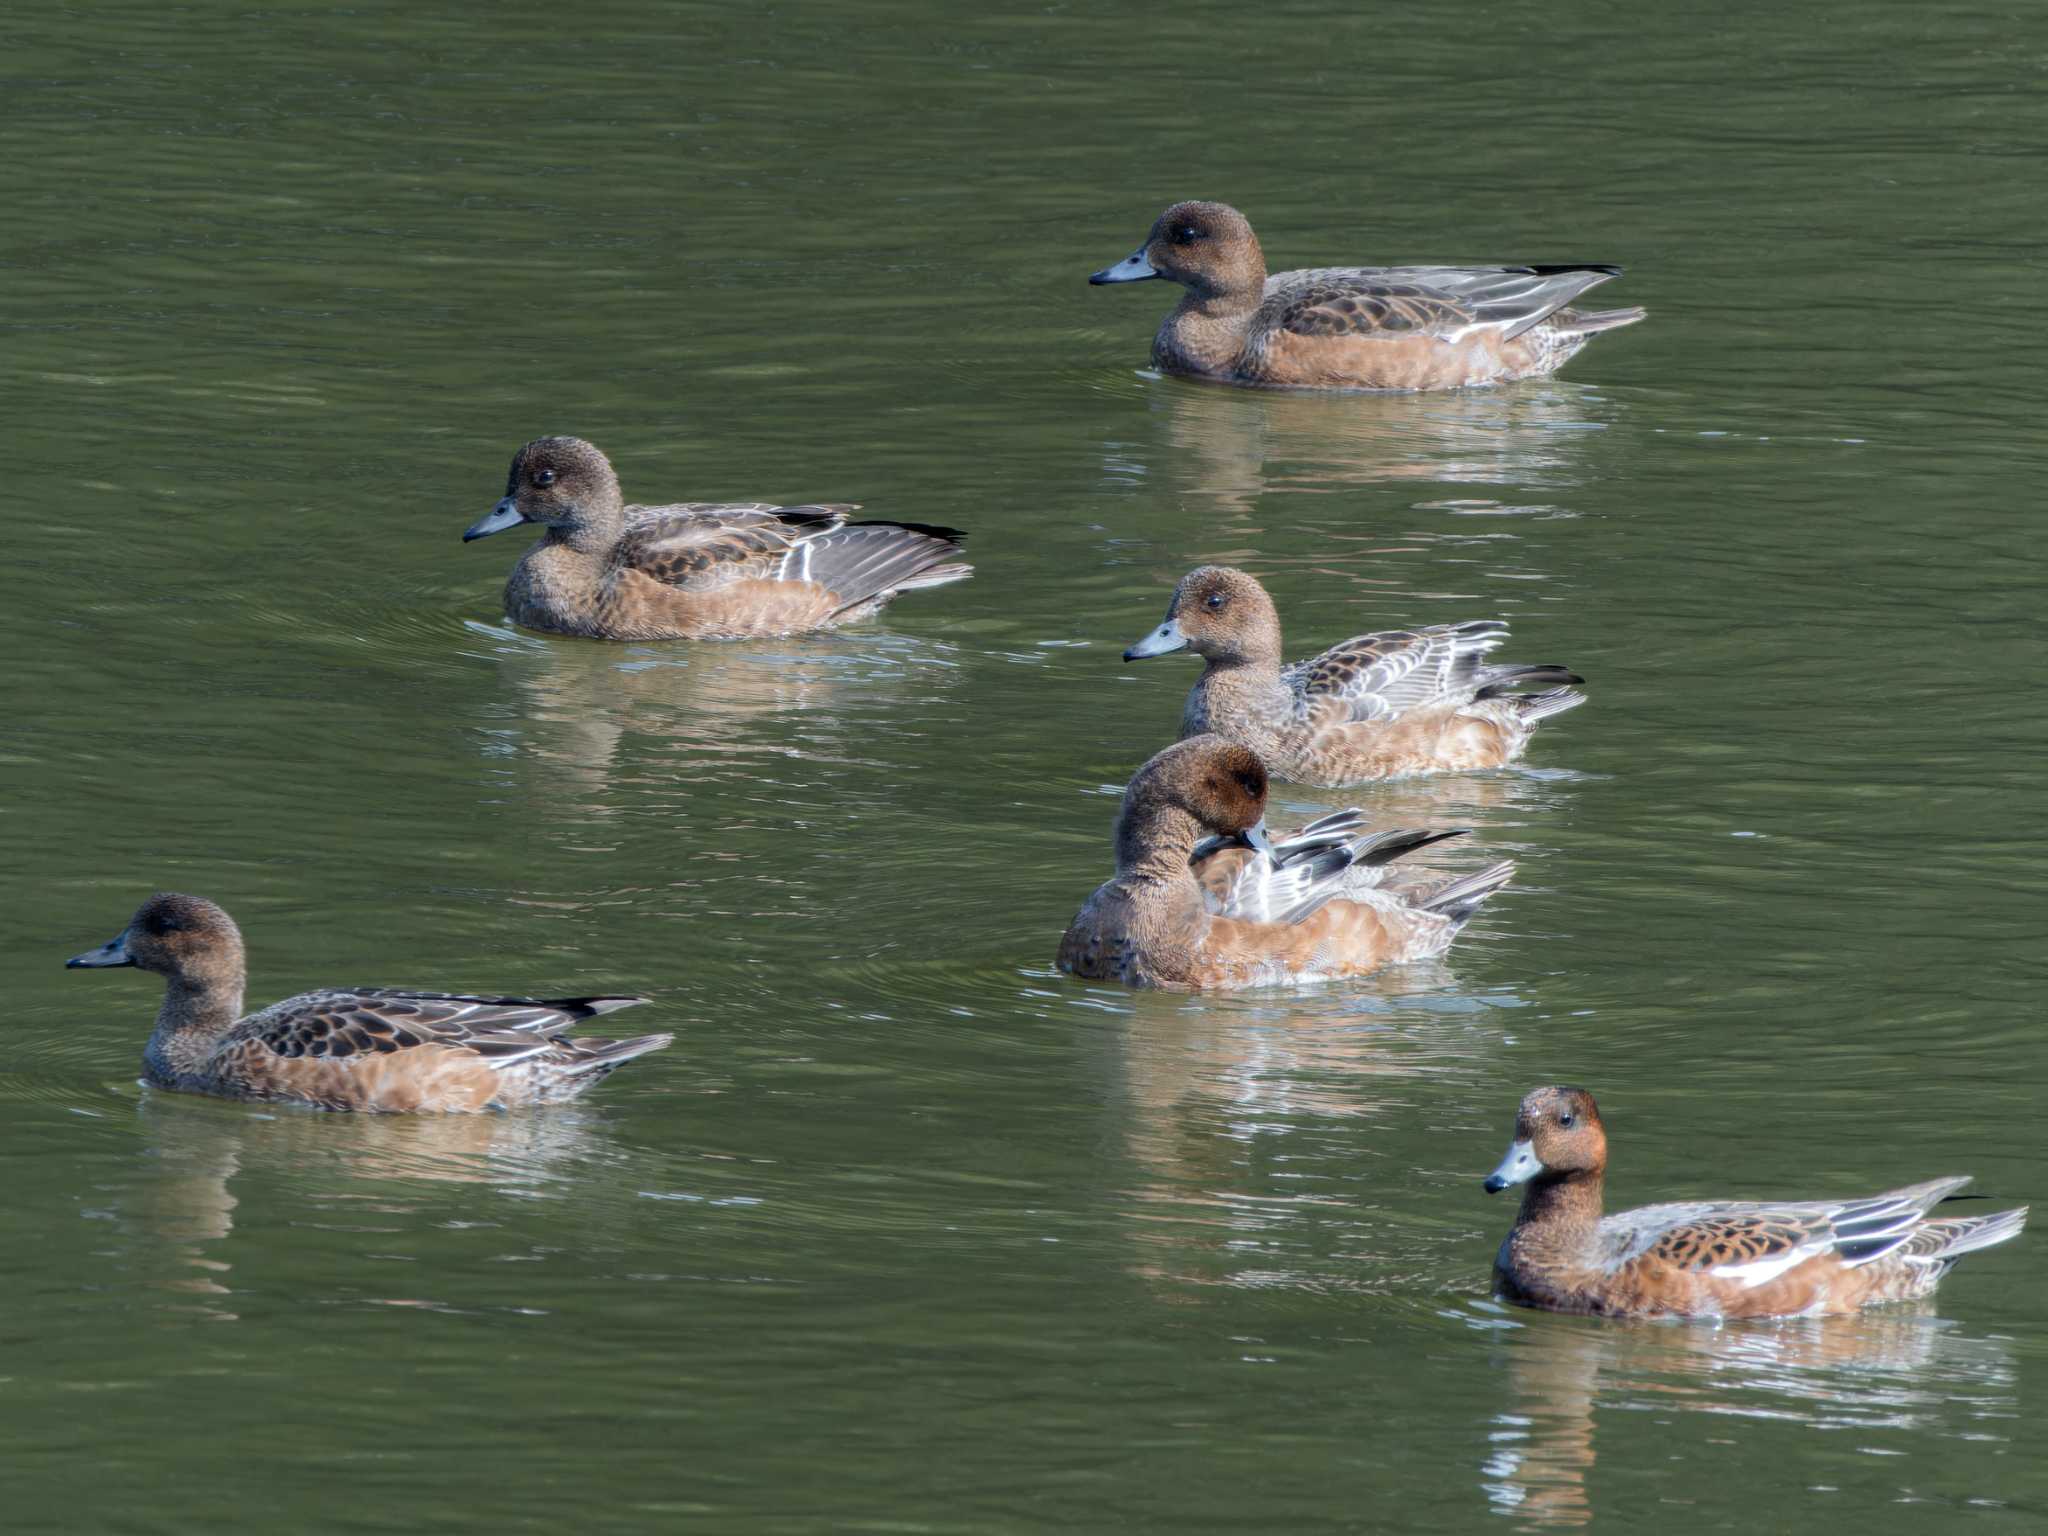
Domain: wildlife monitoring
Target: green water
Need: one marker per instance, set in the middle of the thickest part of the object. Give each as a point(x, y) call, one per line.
point(907, 1232)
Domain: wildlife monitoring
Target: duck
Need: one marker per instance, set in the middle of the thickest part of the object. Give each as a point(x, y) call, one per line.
point(375, 1049)
point(1203, 897)
point(1378, 706)
point(1713, 1259)
point(604, 570)
point(1390, 328)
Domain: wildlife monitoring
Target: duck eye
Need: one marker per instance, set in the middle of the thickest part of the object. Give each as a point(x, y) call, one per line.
point(543, 478)
point(1565, 1119)
point(1214, 602)
point(1187, 234)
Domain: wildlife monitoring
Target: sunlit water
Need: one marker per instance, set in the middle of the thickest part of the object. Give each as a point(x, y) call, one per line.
point(908, 1232)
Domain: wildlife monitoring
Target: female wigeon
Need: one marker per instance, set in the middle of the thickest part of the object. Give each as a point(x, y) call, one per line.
point(1710, 1259)
point(364, 1048)
point(695, 570)
point(1249, 911)
point(1354, 327)
point(1373, 707)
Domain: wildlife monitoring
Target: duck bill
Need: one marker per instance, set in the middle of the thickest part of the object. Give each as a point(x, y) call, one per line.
point(1163, 641)
point(112, 953)
point(504, 515)
point(1258, 837)
point(1134, 268)
point(1518, 1167)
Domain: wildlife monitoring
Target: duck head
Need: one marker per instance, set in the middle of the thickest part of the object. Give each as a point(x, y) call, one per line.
point(185, 938)
point(1218, 783)
point(564, 485)
point(1208, 248)
point(1221, 614)
point(1557, 1133)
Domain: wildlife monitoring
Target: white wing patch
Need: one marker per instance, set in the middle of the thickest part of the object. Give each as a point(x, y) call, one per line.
point(1315, 863)
point(1762, 1271)
point(796, 564)
point(1265, 893)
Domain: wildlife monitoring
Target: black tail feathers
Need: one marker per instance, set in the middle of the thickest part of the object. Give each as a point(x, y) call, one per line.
point(1495, 681)
point(1461, 897)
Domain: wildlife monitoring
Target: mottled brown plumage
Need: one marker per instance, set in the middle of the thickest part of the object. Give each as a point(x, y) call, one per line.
point(365, 1048)
point(1404, 328)
point(695, 570)
point(1182, 913)
point(1709, 1259)
point(1375, 706)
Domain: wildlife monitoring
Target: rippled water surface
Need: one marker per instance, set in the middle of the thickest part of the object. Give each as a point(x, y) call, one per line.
point(908, 1232)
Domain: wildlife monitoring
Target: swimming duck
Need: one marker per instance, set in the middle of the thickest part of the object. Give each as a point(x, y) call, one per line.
point(360, 1048)
point(1354, 327)
point(1709, 1259)
point(695, 570)
point(1372, 707)
point(1240, 908)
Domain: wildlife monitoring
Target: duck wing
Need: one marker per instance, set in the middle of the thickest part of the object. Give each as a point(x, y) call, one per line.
point(1378, 676)
point(1439, 302)
point(1303, 870)
point(1331, 857)
point(345, 1021)
point(702, 546)
point(698, 546)
point(1752, 1244)
point(1329, 831)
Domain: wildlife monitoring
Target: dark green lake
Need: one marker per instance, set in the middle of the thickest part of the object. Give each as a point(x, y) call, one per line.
point(909, 1233)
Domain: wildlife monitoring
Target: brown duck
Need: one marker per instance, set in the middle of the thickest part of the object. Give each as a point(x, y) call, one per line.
point(1203, 898)
point(695, 570)
point(360, 1048)
point(1710, 1258)
point(1354, 327)
point(1377, 706)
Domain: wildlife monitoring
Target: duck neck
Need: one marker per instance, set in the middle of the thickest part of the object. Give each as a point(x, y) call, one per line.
point(1254, 662)
point(1205, 332)
point(1238, 688)
point(198, 1010)
point(1231, 289)
point(1153, 844)
point(596, 531)
point(1564, 1209)
point(1220, 305)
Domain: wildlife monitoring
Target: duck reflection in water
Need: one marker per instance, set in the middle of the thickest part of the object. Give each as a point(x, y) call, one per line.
point(1904, 1367)
point(695, 713)
point(179, 1201)
point(1240, 1118)
point(1237, 447)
